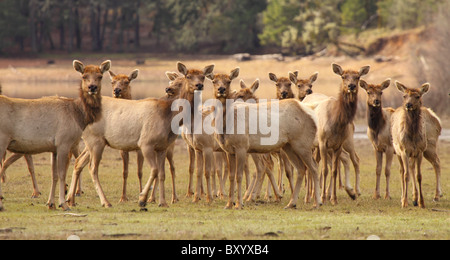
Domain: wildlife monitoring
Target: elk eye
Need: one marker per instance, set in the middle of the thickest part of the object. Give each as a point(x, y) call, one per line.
point(85, 77)
point(188, 77)
point(215, 82)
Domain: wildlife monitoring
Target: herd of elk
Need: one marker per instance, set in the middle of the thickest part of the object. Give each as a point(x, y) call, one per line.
point(312, 128)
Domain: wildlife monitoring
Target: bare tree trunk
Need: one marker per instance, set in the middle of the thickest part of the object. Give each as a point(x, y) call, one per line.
point(33, 29)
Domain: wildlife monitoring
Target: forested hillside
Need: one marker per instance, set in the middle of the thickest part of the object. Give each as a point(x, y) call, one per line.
point(297, 27)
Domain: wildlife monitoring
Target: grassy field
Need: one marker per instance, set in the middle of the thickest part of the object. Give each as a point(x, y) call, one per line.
point(26, 218)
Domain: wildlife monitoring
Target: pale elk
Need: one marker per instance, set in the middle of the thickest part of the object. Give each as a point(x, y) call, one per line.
point(52, 124)
point(411, 125)
point(335, 126)
point(296, 134)
point(144, 125)
point(121, 89)
point(379, 132)
point(203, 145)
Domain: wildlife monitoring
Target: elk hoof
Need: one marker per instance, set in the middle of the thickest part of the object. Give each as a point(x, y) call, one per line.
point(415, 204)
point(51, 206)
point(64, 207)
point(163, 205)
point(142, 204)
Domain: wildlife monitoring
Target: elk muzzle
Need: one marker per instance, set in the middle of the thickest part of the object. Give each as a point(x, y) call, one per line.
point(93, 89)
point(117, 93)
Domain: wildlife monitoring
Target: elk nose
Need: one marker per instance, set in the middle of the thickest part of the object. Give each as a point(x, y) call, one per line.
point(409, 106)
point(309, 92)
point(352, 87)
point(222, 90)
point(167, 90)
point(377, 102)
point(199, 86)
point(117, 92)
point(93, 89)
point(284, 94)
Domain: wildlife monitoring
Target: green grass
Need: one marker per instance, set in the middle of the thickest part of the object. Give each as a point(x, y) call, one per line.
point(26, 218)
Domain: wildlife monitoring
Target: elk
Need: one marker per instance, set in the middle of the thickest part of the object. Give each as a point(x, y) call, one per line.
point(304, 85)
point(204, 145)
point(379, 131)
point(121, 88)
point(53, 124)
point(297, 131)
point(335, 123)
point(411, 125)
point(144, 125)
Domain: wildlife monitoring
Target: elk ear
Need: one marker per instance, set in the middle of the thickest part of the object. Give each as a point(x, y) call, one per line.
point(293, 78)
point(338, 69)
point(364, 71)
point(78, 66)
point(134, 75)
point(255, 86)
point(314, 78)
point(208, 70)
point(296, 73)
point(402, 88)
point(172, 75)
point(182, 68)
point(210, 76)
point(364, 85)
point(242, 83)
point(112, 75)
point(386, 84)
point(273, 77)
point(106, 66)
point(235, 73)
point(425, 88)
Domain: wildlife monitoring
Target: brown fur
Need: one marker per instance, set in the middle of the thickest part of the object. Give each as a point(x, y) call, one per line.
point(284, 87)
point(409, 138)
point(60, 119)
point(152, 135)
point(335, 119)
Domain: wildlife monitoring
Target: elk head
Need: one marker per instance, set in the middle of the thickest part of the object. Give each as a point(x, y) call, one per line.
point(284, 87)
point(247, 93)
point(304, 85)
point(121, 84)
point(375, 92)
point(92, 76)
point(350, 80)
point(412, 98)
point(195, 78)
point(222, 83)
point(175, 84)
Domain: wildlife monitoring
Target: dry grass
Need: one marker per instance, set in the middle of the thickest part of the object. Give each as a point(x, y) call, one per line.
point(30, 219)
point(27, 218)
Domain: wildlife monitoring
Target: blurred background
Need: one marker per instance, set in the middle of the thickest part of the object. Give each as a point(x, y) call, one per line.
point(406, 40)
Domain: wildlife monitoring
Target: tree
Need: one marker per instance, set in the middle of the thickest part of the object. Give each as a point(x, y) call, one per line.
point(354, 14)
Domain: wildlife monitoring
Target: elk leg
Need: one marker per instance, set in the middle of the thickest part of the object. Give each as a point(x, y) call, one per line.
point(190, 191)
point(81, 162)
point(419, 180)
point(12, 159)
point(51, 199)
point(232, 173)
point(30, 165)
point(172, 173)
point(126, 159)
point(389, 159)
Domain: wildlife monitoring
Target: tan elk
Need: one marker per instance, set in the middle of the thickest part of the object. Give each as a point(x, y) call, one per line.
point(304, 85)
point(204, 144)
point(335, 124)
point(379, 131)
point(296, 134)
point(52, 124)
point(410, 139)
point(144, 125)
point(121, 88)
